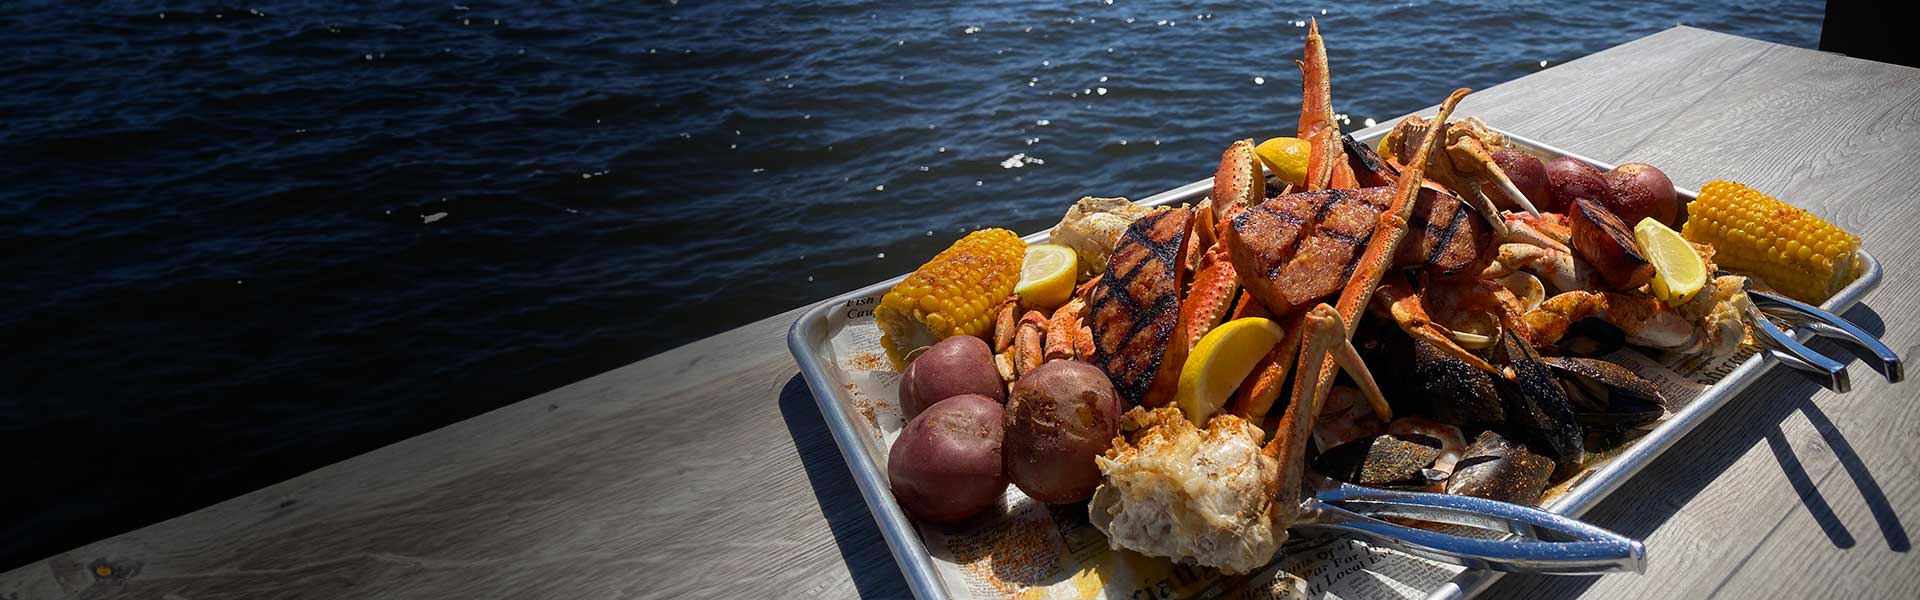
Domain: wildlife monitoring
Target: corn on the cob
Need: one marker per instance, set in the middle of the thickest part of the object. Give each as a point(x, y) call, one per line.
point(953, 294)
point(1789, 249)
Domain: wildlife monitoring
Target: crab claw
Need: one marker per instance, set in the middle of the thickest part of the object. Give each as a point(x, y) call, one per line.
point(1411, 314)
point(1239, 182)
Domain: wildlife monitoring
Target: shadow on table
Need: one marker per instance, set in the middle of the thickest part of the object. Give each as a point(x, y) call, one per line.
point(1645, 503)
point(874, 573)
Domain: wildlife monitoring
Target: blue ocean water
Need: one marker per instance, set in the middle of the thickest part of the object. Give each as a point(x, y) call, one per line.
point(242, 242)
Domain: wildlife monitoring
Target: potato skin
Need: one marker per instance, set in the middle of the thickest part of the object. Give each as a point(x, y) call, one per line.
point(1059, 417)
point(1571, 178)
point(1638, 190)
point(946, 464)
point(960, 364)
point(1526, 173)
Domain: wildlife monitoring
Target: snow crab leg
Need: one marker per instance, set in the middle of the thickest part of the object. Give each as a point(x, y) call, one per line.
point(1332, 327)
point(1327, 160)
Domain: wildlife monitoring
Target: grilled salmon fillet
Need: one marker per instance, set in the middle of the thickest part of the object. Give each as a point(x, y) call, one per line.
point(1445, 235)
point(1134, 309)
point(1298, 249)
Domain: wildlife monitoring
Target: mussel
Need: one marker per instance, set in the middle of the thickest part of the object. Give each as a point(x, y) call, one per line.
point(1537, 409)
point(1452, 443)
point(1391, 460)
point(1498, 469)
point(1460, 394)
point(1607, 396)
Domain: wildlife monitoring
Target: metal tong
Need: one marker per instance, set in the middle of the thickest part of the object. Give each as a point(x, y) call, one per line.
point(1514, 544)
point(1800, 316)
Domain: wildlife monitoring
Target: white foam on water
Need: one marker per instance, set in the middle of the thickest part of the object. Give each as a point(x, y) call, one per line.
point(1019, 160)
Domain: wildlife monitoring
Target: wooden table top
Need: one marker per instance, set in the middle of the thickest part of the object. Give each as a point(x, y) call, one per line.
point(707, 470)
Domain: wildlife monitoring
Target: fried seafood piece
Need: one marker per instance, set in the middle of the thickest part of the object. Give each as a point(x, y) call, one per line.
point(1134, 309)
point(1204, 496)
point(1092, 227)
point(1712, 323)
point(1297, 249)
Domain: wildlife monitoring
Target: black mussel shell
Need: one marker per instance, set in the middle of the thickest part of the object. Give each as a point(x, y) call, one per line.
point(1591, 337)
point(1496, 468)
point(1606, 395)
point(1460, 394)
point(1386, 460)
point(1538, 411)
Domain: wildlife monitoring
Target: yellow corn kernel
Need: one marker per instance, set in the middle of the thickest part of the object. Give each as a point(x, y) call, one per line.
point(950, 294)
point(1791, 250)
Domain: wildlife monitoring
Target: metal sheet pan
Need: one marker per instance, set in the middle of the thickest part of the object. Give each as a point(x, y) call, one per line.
point(810, 336)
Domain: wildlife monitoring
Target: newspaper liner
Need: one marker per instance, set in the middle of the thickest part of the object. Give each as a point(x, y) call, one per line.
point(1030, 550)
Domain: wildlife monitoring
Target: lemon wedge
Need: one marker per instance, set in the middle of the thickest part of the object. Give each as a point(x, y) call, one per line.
point(1678, 272)
point(1218, 364)
point(1286, 158)
point(1046, 276)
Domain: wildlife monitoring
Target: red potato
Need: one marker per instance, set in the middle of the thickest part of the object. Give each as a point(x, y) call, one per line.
point(1571, 178)
point(1638, 190)
point(945, 466)
point(1528, 174)
point(1059, 416)
point(960, 364)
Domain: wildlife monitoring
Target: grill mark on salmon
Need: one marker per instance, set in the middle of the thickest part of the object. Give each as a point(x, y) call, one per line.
point(1295, 249)
point(1446, 236)
point(1301, 248)
point(1134, 309)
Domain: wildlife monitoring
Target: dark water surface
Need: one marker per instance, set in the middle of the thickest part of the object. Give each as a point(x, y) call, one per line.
point(242, 243)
